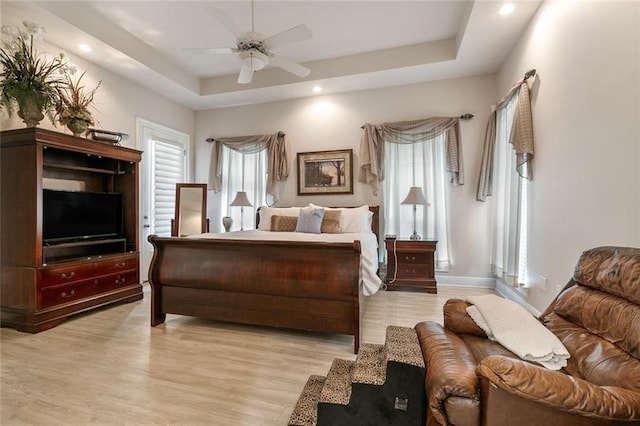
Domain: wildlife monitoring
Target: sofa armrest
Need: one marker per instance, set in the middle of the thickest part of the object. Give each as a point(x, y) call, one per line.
point(560, 391)
point(458, 320)
point(450, 374)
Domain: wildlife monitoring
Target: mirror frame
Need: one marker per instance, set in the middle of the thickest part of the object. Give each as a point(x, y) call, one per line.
point(175, 223)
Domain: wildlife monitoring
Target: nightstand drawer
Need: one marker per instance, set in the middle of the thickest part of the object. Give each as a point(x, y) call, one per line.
point(413, 258)
point(413, 271)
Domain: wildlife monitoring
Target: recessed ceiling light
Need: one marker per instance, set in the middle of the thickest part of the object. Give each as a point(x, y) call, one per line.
point(317, 89)
point(507, 8)
point(84, 47)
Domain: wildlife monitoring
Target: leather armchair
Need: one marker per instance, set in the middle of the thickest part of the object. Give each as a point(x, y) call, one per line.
point(471, 380)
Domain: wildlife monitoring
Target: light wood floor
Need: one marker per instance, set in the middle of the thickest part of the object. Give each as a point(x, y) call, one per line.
point(109, 367)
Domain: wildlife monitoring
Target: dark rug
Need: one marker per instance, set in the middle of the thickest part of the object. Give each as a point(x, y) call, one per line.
point(373, 405)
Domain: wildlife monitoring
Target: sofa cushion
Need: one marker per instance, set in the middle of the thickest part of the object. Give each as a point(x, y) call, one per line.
point(614, 270)
point(593, 358)
point(612, 318)
point(558, 390)
point(458, 320)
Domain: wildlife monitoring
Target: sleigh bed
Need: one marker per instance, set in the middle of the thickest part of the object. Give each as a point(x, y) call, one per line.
point(267, 278)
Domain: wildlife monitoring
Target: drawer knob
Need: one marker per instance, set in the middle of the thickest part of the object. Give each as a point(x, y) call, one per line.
point(66, 295)
point(68, 276)
point(410, 257)
point(120, 281)
point(120, 265)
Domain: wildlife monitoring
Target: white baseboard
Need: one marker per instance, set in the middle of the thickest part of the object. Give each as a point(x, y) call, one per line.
point(505, 291)
point(516, 296)
point(445, 280)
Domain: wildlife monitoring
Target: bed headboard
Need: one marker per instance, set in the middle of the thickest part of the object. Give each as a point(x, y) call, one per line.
point(375, 221)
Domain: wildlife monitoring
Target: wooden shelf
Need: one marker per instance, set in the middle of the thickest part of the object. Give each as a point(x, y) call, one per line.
point(80, 169)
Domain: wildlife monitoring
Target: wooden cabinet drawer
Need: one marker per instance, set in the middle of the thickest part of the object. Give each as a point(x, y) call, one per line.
point(119, 264)
point(65, 293)
point(67, 274)
point(412, 258)
point(413, 271)
point(89, 268)
point(57, 295)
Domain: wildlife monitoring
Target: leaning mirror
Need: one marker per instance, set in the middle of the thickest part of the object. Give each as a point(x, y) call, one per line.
point(191, 210)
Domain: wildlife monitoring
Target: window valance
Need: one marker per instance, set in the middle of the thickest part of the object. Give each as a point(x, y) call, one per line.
point(405, 132)
point(521, 137)
point(277, 168)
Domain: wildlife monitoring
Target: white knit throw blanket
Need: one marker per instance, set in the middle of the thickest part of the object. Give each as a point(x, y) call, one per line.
point(513, 327)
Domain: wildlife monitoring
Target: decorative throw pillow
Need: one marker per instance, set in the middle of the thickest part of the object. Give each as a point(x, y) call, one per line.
point(331, 222)
point(355, 220)
point(310, 220)
point(283, 223)
point(266, 213)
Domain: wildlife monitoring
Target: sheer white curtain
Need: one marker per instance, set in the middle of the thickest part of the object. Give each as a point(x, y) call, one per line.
point(417, 164)
point(243, 172)
point(509, 245)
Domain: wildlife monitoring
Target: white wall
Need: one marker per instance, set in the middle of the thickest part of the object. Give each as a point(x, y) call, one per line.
point(333, 122)
point(586, 187)
point(118, 102)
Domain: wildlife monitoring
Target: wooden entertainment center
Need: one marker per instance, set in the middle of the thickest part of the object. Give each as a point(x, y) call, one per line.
point(44, 283)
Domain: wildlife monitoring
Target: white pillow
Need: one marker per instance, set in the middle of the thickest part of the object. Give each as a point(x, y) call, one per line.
point(356, 219)
point(267, 212)
point(310, 220)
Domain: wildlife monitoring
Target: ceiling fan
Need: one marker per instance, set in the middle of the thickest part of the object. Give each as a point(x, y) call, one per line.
point(255, 50)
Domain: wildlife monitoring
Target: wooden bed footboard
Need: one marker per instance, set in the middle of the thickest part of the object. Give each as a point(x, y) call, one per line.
point(300, 285)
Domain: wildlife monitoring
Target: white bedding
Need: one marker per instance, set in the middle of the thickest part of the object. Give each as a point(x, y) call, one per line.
point(368, 242)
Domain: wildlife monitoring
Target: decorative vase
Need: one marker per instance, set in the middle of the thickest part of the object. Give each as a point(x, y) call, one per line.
point(78, 126)
point(227, 222)
point(30, 107)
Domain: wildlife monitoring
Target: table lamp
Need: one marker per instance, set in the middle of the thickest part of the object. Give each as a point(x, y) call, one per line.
point(241, 201)
point(415, 197)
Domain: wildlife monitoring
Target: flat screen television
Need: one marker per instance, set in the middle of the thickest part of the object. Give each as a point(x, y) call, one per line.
point(77, 215)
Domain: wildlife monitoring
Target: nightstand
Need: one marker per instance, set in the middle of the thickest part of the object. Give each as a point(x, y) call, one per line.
point(415, 265)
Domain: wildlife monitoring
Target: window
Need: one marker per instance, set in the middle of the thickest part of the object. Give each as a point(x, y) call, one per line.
point(419, 164)
point(168, 169)
point(242, 172)
point(509, 245)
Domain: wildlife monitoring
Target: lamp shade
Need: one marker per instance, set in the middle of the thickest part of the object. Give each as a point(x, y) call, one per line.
point(415, 196)
point(241, 200)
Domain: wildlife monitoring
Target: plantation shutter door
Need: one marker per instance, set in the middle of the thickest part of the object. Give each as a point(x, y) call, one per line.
point(169, 168)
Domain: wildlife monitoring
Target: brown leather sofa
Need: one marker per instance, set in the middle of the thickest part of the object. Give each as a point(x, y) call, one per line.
point(471, 380)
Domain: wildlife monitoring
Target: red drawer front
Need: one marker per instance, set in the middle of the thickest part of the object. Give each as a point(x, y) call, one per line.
point(81, 271)
point(119, 264)
point(60, 294)
point(67, 274)
point(411, 271)
point(413, 258)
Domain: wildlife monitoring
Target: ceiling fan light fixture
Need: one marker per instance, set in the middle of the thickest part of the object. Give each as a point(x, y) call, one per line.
point(255, 60)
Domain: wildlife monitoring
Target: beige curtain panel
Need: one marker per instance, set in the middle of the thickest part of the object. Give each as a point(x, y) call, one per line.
point(521, 138)
point(375, 135)
point(277, 155)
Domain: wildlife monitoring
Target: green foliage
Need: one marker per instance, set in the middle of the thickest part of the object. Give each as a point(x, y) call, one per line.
point(25, 72)
point(74, 101)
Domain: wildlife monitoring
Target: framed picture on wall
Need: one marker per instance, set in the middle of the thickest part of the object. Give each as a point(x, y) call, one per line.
point(325, 172)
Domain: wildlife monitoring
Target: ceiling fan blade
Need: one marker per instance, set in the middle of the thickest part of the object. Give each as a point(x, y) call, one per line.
point(209, 50)
point(225, 20)
point(290, 66)
point(246, 73)
point(290, 36)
